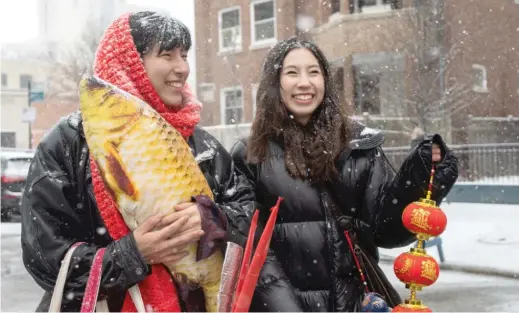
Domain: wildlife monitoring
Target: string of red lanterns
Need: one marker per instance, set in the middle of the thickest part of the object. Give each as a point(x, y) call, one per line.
point(416, 269)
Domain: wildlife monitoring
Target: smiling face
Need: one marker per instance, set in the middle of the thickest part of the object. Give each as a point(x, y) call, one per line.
point(301, 84)
point(168, 71)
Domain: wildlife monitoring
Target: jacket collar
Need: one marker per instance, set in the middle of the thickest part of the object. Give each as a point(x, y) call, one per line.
point(75, 121)
point(363, 137)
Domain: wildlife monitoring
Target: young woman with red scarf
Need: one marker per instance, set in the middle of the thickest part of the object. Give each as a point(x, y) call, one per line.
point(66, 202)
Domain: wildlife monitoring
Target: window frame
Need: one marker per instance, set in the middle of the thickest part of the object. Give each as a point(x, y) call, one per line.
point(483, 69)
point(4, 80)
point(359, 97)
point(5, 132)
point(223, 106)
point(378, 7)
point(212, 88)
point(31, 80)
point(237, 47)
point(262, 42)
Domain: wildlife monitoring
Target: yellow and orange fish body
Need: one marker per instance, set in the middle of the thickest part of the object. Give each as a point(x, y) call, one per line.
point(148, 168)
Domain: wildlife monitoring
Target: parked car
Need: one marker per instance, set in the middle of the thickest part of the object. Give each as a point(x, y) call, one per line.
point(15, 167)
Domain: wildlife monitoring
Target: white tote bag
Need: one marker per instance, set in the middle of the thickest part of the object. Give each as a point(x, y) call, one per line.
point(89, 302)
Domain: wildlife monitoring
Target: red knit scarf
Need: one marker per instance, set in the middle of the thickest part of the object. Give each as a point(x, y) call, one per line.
point(118, 62)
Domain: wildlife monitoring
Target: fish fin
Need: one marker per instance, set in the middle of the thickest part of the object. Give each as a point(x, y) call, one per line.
point(116, 174)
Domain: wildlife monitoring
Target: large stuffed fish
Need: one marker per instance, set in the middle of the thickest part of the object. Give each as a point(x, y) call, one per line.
point(147, 168)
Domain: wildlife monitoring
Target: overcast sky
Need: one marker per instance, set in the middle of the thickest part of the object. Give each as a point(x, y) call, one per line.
point(19, 21)
point(19, 18)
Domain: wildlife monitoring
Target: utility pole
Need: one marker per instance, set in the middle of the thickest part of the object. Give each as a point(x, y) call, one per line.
point(30, 114)
point(29, 101)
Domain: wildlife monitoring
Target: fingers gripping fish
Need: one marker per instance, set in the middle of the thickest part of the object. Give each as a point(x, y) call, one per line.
point(147, 168)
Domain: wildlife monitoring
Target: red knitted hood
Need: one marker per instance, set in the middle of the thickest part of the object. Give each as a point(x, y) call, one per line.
point(118, 62)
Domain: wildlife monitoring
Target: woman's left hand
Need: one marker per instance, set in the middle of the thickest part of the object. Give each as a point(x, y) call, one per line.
point(188, 209)
point(436, 153)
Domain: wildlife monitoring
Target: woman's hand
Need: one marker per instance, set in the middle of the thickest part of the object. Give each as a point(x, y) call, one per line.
point(190, 211)
point(167, 244)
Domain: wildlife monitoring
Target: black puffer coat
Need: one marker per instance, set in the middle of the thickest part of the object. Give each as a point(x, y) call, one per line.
point(310, 267)
point(59, 209)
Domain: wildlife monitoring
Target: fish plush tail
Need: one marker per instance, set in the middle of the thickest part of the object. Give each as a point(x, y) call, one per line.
point(190, 274)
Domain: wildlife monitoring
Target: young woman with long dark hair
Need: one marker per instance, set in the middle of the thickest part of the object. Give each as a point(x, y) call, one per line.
point(333, 175)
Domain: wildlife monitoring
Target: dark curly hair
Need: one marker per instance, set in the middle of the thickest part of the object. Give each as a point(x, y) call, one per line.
point(310, 150)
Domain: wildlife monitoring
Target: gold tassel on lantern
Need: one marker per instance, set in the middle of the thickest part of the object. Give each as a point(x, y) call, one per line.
point(416, 268)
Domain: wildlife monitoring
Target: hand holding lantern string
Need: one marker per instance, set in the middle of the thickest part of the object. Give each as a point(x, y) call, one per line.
point(415, 268)
point(436, 153)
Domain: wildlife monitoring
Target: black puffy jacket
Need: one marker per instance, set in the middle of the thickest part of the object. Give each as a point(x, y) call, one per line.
point(59, 209)
point(309, 266)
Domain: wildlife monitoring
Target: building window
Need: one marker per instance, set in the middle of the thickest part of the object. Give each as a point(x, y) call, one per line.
point(24, 80)
point(374, 6)
point(206, 92)
point(229, 24)
point(231, 105)
point(263, 21)
point(479, 78)
point(8, 139)
point(254, 93)
point(335, 6)
point(366, 92)
point(4, 80)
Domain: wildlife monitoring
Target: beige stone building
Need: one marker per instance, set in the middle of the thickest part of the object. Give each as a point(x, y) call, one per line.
point(15, 112)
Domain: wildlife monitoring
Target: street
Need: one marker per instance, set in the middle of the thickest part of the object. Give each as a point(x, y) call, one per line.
point(452, 292)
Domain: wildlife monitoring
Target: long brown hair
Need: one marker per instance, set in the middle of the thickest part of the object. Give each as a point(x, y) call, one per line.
point(310, 150)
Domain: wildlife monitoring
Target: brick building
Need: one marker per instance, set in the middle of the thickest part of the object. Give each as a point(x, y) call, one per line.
point(398, 63)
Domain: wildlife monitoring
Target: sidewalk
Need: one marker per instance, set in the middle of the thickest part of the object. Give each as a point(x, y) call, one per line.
point(480, 238)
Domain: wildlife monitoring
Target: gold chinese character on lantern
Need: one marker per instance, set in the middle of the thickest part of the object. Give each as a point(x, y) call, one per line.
point(420, 218)
point(408, 263)
point(429, 270)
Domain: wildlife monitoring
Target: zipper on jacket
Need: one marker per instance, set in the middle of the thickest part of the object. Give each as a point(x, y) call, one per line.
point(331, 250)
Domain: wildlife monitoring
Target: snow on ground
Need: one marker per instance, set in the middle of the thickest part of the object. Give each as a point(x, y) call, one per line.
point(483, 235)
point(10, 229)
point(461, 292)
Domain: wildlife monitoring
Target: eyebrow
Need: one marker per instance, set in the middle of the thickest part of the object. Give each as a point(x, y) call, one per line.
point(296, 67)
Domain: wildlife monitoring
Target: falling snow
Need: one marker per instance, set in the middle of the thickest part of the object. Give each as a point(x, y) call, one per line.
point(395, 69)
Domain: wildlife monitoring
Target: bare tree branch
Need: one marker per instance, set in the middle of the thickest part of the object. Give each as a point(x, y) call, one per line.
point(437, 90)
point(70, 64)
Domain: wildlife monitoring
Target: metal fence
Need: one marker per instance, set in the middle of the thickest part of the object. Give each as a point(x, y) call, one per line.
point(489, 163)
point(495, 163)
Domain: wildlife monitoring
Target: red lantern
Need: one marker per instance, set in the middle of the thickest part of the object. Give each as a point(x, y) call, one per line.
point(416, 269)
point(424, 217)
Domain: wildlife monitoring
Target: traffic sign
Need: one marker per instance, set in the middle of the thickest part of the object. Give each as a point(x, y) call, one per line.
point(29, 115)
point(36, 96)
